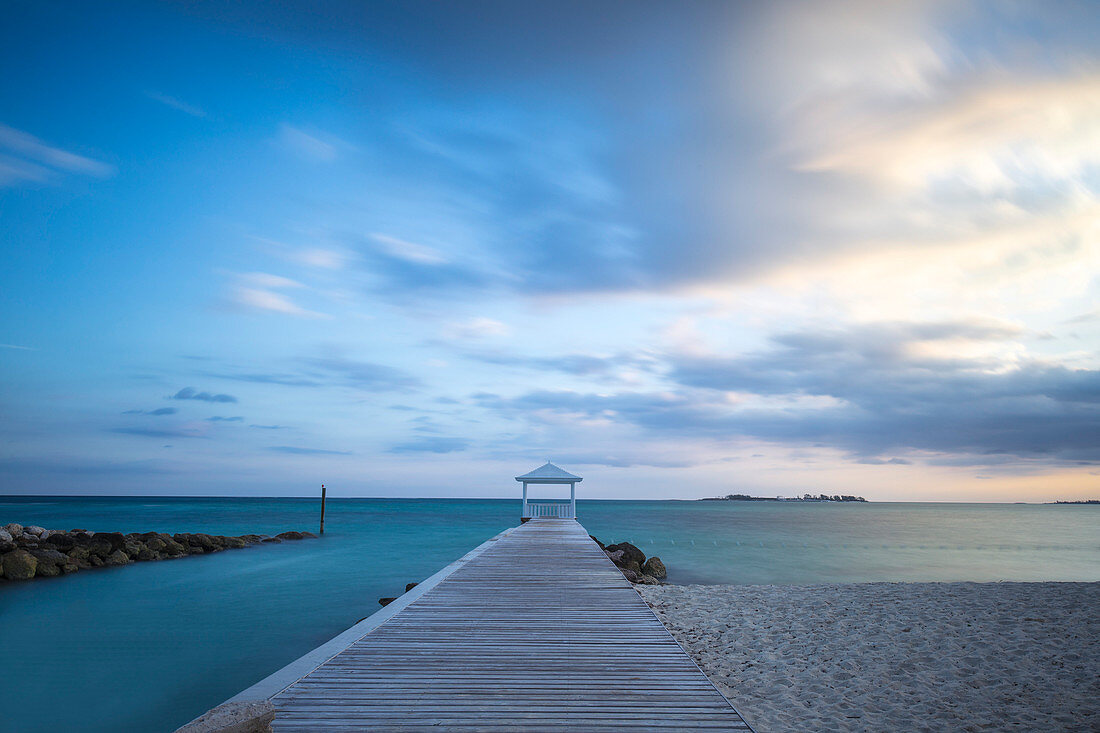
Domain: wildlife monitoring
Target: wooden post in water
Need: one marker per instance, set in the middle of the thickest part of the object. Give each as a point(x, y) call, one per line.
point(322, 509)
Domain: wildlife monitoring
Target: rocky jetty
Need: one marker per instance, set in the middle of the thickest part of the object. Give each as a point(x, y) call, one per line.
point(36, 552)
point(633, 563)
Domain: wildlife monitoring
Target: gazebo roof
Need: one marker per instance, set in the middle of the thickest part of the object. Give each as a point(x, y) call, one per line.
point(548, 473)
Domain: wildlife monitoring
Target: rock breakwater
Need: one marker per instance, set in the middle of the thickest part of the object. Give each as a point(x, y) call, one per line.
point(633, 563)
point(35, 552)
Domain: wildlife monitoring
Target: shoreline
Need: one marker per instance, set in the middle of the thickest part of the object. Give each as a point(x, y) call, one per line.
point(895, 656)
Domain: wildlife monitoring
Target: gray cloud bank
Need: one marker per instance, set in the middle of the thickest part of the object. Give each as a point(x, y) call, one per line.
point(866, 390)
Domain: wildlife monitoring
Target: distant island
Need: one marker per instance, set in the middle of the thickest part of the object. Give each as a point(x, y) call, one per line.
point(804, 497)
point(1080, 501)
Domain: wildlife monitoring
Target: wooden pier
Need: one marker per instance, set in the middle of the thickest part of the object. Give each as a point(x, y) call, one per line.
point(535, 630)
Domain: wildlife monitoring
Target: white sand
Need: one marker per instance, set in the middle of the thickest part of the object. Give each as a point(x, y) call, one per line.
point(896, 656)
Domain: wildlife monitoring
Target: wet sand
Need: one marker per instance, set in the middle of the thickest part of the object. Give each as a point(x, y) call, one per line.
point(896, 656)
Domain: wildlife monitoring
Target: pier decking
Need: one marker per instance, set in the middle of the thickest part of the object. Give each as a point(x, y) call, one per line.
point(534, 631)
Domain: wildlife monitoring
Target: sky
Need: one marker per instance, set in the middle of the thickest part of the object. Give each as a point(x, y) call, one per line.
point(681, 249)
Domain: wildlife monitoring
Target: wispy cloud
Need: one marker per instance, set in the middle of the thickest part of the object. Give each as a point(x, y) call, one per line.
point(17, 347)
point(189, 393)
point(475, 328)
point(257, 291)
point(179, 432)
point(363, 375)
point(435, 444)
point(410, 251)
point(311, 146)
point(295, 450)
point(176, 104)
point(219, 418)
point(158, 411)
point(23, 157)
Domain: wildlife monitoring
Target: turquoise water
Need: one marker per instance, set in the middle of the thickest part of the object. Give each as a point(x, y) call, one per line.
point(149, 646)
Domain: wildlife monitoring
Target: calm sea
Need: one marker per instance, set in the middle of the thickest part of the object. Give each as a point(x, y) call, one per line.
point(149, 646)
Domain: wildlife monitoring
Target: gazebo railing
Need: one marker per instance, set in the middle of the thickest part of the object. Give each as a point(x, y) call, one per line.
point(556, 510)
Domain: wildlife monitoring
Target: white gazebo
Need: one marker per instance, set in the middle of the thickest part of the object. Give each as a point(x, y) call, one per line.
point(548, 473)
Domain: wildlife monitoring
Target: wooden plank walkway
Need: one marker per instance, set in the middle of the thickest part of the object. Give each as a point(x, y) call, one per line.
point(539, 632)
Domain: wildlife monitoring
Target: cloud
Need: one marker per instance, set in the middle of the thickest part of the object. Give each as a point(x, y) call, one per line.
point(219, 418)
point(363, 375)
point(158, 411)
point(269, 427)
point(23, 157)
point(256, 291)
point(176, 104)
point(868, 389)
point(435, 444)
point(17, 347)
point(294, 450)
point(581, 365)
point(179, 432)
point(189, 393)
point(884, 461)
point(475, 328)
point(286, 379)
point(311, 147)
point(325, 371)
point(409, 251)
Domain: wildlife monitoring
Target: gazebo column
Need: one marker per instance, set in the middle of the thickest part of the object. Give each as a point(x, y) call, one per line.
point(524, 499)
point(573, 500)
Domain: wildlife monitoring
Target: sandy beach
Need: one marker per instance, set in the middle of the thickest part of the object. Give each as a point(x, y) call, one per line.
point(896, 656)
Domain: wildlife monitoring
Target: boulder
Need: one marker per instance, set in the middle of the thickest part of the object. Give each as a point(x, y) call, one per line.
point(631, 554)
point(271, 539)
point(290, 536)
point(35, 530)
point(69, 567)
point(252, 538)
point(6, 546)
point(173, 548)
point(308, 536)
point(100, 547)
point(14, 529)
point(386, 601)
point(19, 565)
point(235, 543)
point(46, 570)
point(616, 556)
point(114, 539)
point(596, 541)
point(410, 586)
point(60, 540)
point(653, 566)
point(644, 579)
point(205, 541)
point(5, 535)
point(145, 554)
point(133, 547)
point(50, 556)
point(629, 574)
point(156, 544)
point(118, 557)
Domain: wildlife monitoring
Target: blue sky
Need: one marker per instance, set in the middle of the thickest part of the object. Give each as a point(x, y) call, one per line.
point(682, 249)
